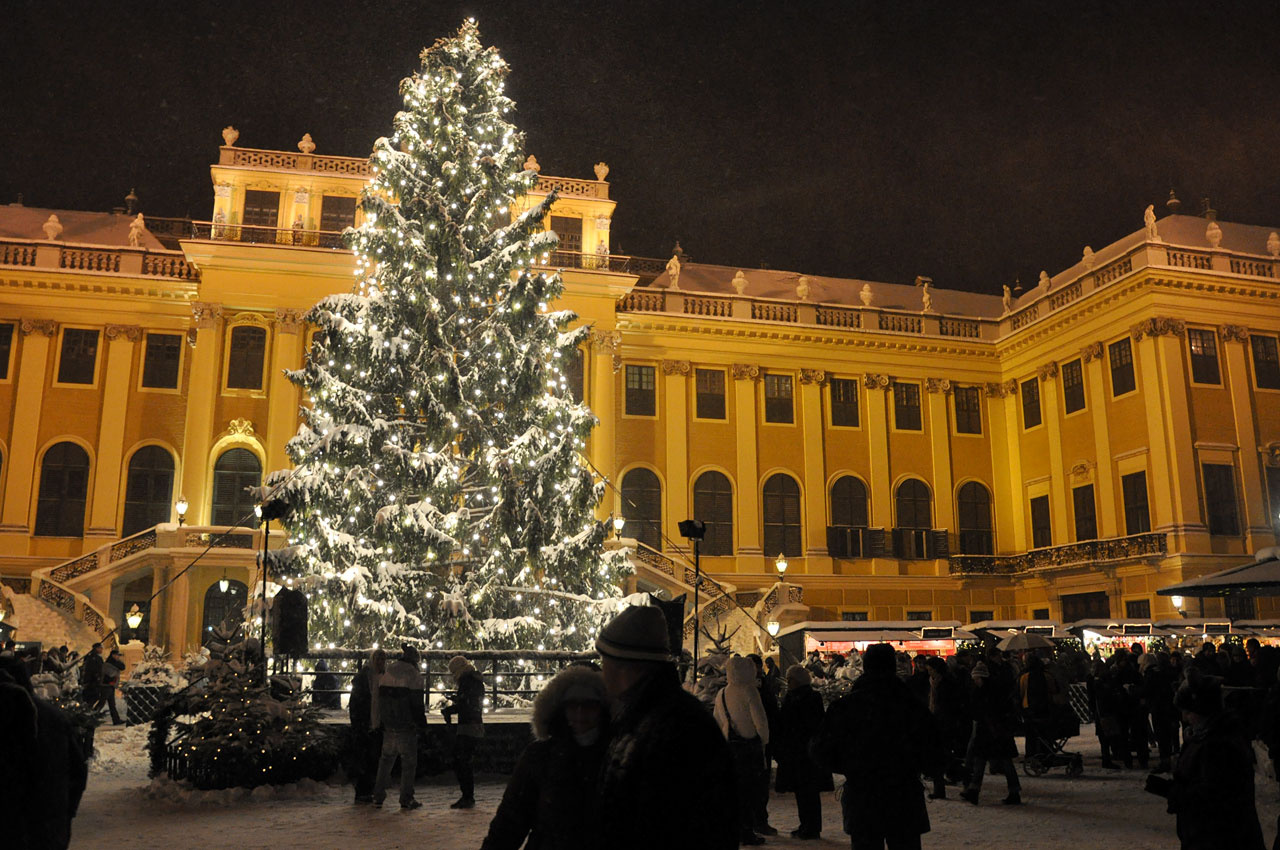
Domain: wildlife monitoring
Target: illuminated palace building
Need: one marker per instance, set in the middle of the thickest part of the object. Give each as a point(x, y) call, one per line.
point(914, 453)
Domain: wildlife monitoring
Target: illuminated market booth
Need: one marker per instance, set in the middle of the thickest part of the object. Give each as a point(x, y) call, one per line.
point(916, 637)
point(1106, 636)
point(994, 631)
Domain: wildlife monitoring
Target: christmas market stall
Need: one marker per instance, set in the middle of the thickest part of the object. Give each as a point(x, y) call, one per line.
point(994, 631)
point(839, 637)
point(1106, 636)
point(1189, 633)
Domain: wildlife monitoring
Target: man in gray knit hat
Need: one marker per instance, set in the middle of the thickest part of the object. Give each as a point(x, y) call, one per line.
point(665, 746)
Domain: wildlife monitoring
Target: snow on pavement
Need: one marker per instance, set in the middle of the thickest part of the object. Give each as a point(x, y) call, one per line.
point(122, 808)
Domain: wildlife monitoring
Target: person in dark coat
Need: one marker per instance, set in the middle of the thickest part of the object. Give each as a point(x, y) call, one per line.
point(769, 688)
point(993, 708)
point(551, 797)
point(401, 715)
point(44, 771)
point(111, 670)
point(91, 678)
point(1157, 694)
point(366, 741)
point(798, 773)
point(467, 705)
point(881, 737)
point(949, 706)
point(324, 687)
point(1211, 792)
point(664, 747)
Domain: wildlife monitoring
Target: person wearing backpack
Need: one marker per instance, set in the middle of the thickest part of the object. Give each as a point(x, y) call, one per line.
point(740, 712)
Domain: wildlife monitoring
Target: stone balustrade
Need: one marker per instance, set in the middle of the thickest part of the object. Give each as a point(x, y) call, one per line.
point(1084, 553)
point(96, 259)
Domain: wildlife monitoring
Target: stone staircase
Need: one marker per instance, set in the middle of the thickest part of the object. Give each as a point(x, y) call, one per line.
point(37, 620)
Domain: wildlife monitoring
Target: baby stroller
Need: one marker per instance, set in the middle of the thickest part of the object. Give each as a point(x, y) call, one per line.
point(1051, 734)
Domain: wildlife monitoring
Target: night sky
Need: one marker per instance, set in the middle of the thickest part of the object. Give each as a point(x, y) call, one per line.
point(970, 142)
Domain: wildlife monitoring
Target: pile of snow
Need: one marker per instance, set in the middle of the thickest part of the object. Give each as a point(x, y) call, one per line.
point(164, 789)
point(120, 750)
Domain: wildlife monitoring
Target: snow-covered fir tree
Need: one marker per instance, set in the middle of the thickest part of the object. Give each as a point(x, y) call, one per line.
point(440, 494)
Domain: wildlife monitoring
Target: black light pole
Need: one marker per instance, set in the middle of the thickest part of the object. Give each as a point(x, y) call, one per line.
point(267, 511)
point(692, 529)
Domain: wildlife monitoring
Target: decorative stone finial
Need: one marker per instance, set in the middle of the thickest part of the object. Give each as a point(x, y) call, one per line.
point(230, 135)
point(1149, 218)
point(740, 282)
point(131, 202)
point(1173, 204)
point(1044, 279)
point(531, 164)
point(1273, 244)
point(1007, 298)
point(1088, 257)
point(136, 228)
point(602, 171)
point(1214, 234)
point(52, 228)
point(305, 144)
point(802, 288)
point(673, 271)
point(866, 295)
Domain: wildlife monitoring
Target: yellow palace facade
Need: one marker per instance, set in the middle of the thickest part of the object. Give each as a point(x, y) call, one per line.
point(912, 452)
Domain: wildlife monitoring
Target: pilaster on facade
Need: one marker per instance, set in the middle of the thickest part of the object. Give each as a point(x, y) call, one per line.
point(1108, 521)
point(813, 432)
point(202, 394)
point(121, 340)
point(1053, 428)
point(879, 400)
point(283, 396)
point(19, 470)
point(748, 518)
point(937, 392)
point(1174, 412)
point(601, 367)
point(1257, 526)
point(675, 386)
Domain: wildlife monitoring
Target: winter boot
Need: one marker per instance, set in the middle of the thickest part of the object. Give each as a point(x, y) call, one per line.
point(969, 796)
point(1014, 799)
point(463, 803)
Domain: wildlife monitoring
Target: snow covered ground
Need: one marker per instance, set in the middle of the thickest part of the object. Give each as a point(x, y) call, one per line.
point(121, 809)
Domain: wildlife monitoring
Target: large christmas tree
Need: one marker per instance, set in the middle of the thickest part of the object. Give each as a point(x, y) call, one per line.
point(439, 493)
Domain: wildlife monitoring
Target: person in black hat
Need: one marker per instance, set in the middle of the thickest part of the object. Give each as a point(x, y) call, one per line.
point(665, 747)
point(1211, 792)
point(882, 739)
point(401, 715)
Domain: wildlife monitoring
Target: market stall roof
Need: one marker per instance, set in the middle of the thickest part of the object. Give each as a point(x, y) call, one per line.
point(869, 630)
point(1204, 626)
point(1260, 577)
point(1259, 626)
point(1008, 626)
point(879, 636)
point(1121, 627)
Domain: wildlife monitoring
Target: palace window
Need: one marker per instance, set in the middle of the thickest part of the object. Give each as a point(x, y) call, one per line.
point(569, 229)
point(222, 607)
point(1266, 361)
point(844, 402)
point(920, 615)
point(1204, 355)
point(261, 216)
point(235, 475)
point(641, 394)
point(337, 213)
point(1273, 497)
point(709, 389)
point(79, 359)
point(1120, 356)
point(1072, 386)
point(1086, 512)
point(848, 518)
point(1220, 498)
point(968, 402)
point(1030, 391)
point(6, 349)
point(906, 406)
point(64, 486)
point(778, 405)
point(248, 351)
point(1240, 607)
point(853, 616)
point(1137, 514)
point(1040, 613)
point(782, 517)
point(642, 507)
point(974, 504)
point(161, 360)
point(148, 491)
point(713, 504)
point(911, 537)
point(981, 616)
point(1138, 609)
point(1041, 523)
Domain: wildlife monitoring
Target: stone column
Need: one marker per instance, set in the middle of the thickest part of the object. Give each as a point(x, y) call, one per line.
point(675, 385)
point(202, 394)
point(1006, 462)
point(1111, 516)
point(1162, 341)
point(107, 492)
point(20, 465)
point(944, 515)
point(1256, 524)
point(745, 377)
point(878, 387)
point(1048, 375)
point(282, 394)
point(815, 470)
point(602, 388)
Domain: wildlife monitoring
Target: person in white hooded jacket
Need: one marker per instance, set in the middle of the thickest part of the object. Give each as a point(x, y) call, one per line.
point(740, 713)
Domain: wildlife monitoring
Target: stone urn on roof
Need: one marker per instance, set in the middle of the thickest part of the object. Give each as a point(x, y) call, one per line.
point(230, 135)
point(52, 228)
point(306, 144)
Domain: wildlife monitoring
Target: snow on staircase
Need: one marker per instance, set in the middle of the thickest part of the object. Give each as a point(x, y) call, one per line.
point(36, 619)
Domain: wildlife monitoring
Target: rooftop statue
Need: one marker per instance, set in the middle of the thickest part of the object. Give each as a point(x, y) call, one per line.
point(866, 295)
point(1149, 217)
point(673, 270)
point(739, 282)
point(52, 228)
point(802, 288)
point(1007, 298)
point(136, 228)
point(229, 135)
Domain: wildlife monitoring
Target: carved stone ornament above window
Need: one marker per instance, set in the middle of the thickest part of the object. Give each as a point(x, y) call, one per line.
point(222, 190)
point(240, 428)
point(1271, 453)
point(44, 327)
point(132, 333)
point(1047, 372)
point(813, 376)
point(288, 321)
point(205, 314)
point(250, 317)
point(1234, 333)
point(1082, 472)
point(745, 372)
point(937, 385)
point(608, 342)
point(1091, 352)
point(877, 382)
point(675, 367)
point(1158, 327)
point(994, 389)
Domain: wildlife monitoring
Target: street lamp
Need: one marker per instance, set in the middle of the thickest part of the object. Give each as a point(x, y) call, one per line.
point(772, 628)
point(134, 617)
point(618, 522)
point(781, 564)
point(692, 529)
point(181, 507)
point(223, 583)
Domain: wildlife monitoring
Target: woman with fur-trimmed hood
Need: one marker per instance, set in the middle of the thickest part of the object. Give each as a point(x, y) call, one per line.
point(552, 795)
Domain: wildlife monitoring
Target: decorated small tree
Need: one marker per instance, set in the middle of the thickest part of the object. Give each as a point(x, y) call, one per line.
point(440, 495)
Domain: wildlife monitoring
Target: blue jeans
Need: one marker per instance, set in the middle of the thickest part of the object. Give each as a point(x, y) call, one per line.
point(402, 743)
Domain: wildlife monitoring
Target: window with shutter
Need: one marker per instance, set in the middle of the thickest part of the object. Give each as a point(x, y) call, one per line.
point(968, 403)
point(1138, 609)
point(1266, 360)
point(906, 407)
point(337, 213)
point(64, 485)
point(1120, 355)
point(261, 216)
point(709, 386)
point(848, 518)
point(148, 490)
point(713, 504)
point(974, 515)
point(915, 519)
point(640, 391)
point(1041, 523)
point(642, 507)
point(1240, 607)
point(248, 350)
point(1220, 498)
point(1072, 386)
point(79, 358)
point(161, 361)
point(1204, 355)
point(569, 229)
point(235, 473)
point(782, 517)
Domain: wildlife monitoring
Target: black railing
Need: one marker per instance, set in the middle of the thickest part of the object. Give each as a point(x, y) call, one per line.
point(1152, 544)
point(257, 235)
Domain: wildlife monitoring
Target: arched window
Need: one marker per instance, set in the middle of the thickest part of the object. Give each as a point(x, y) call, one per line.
point(64, 482)
point(713, 504)
point(248, 348)
point(222, 607)
point(148, 490)
point(974, 504)
point(235, 472)
point(782, 517)
point(848, 518)
point(911, 537)
point(642, 507)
